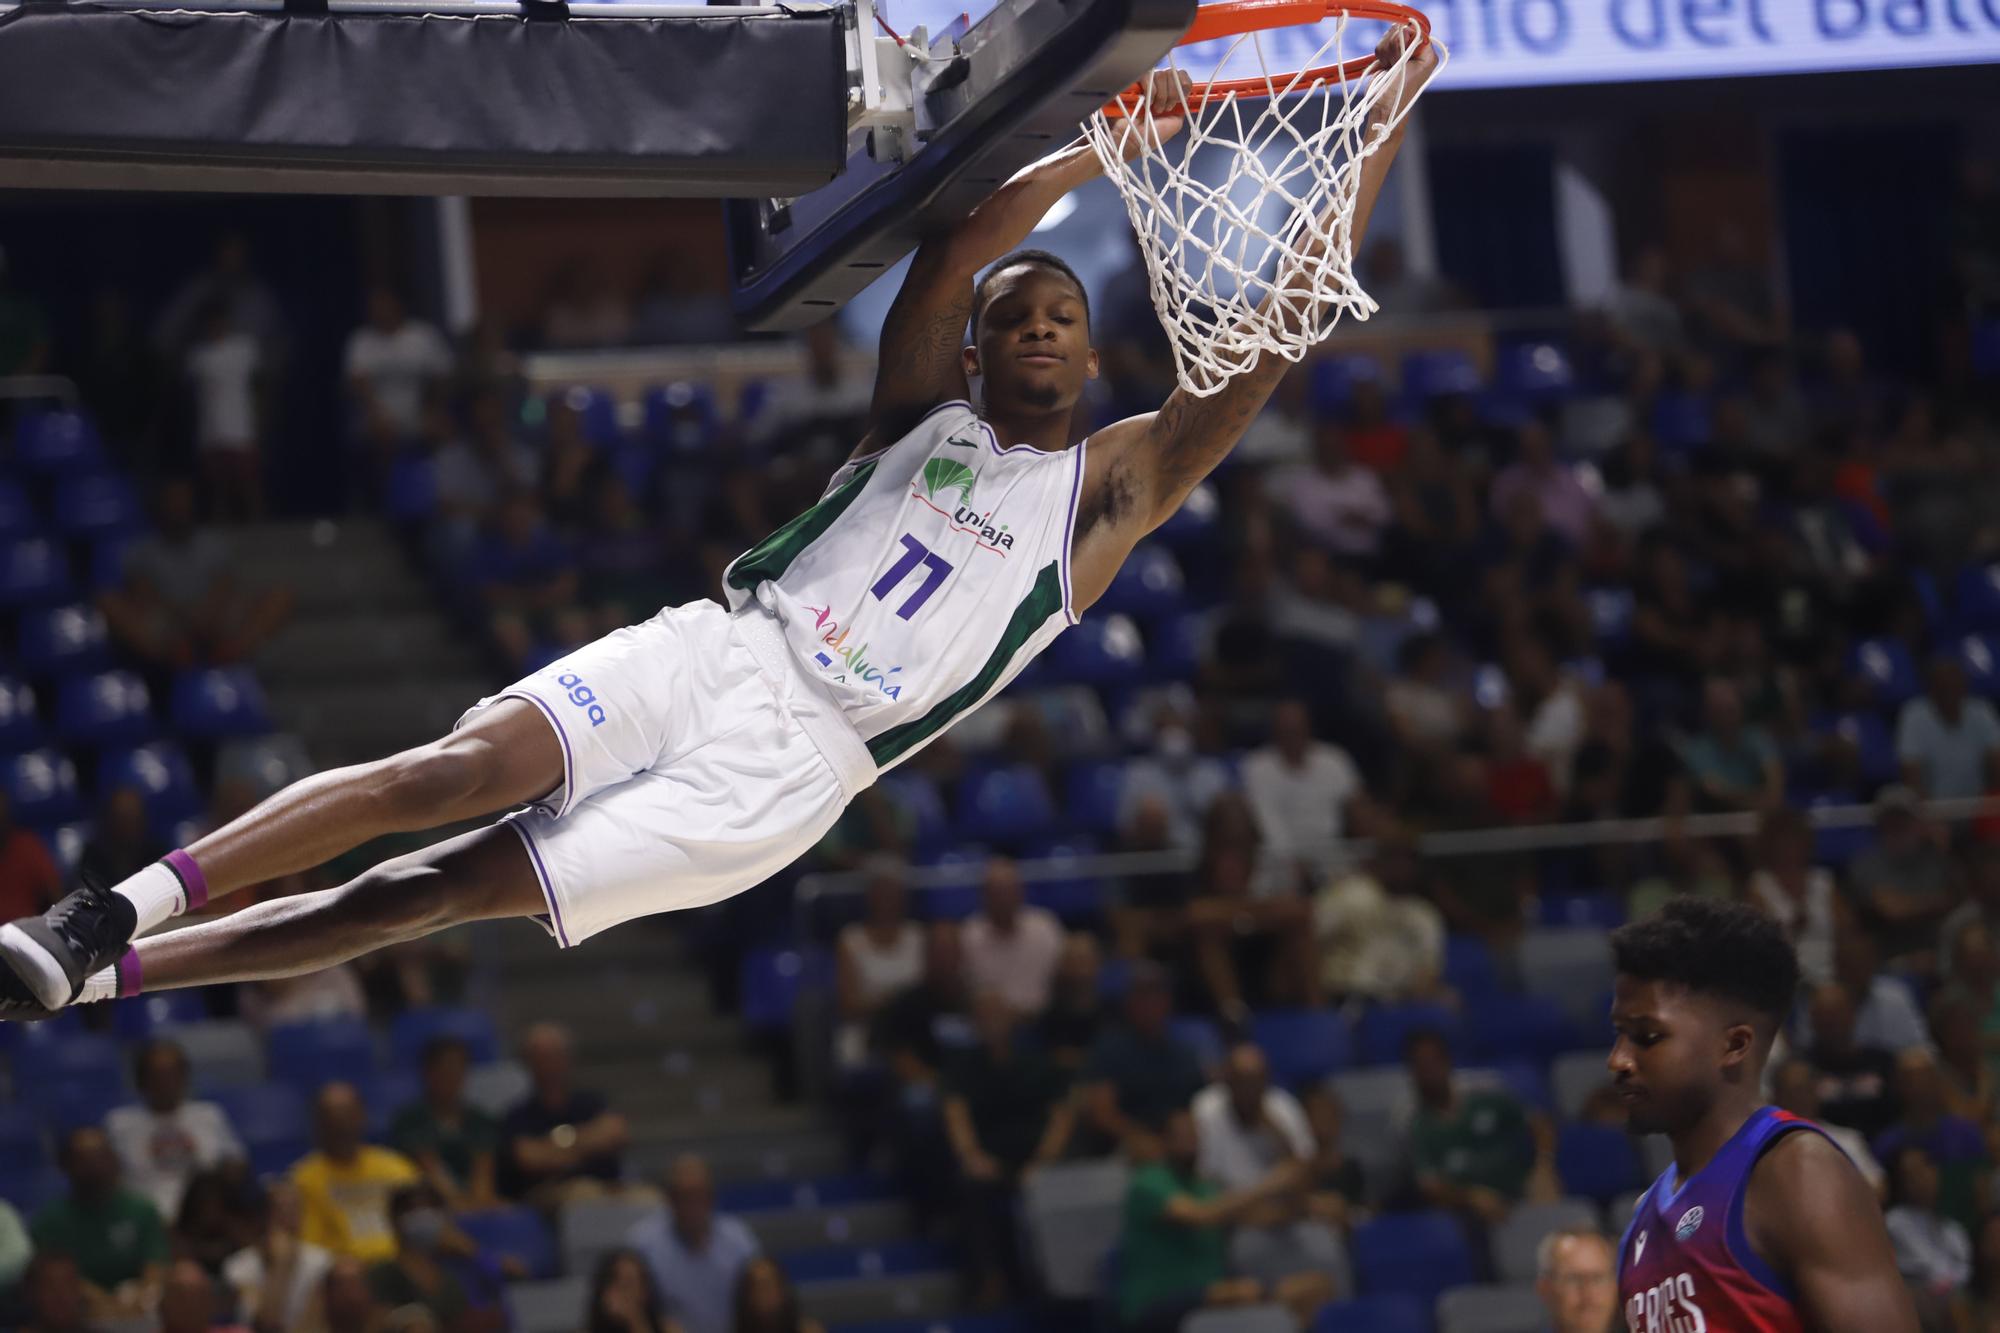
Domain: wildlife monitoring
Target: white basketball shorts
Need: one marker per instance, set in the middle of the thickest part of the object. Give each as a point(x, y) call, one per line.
point(698, 760)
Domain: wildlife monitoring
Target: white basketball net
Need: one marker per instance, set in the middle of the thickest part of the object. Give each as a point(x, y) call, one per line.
point(1246, 218)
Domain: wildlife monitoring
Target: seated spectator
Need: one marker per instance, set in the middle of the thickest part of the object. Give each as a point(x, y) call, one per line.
point(915, 1029)
point(1946, 741)
point(1798, 895)
point(182, 601)
point(1303, 792)
point(1520, 789)
point(562, 1142)
point(767, 1303)
point(1904, 884)
point(1933, 1250)
point(395, 368)
point(1246, 1130)
point(1173, 1255)
point(165, 1139)
point(625, 556)
point(1981, 908)
point(1335, 502)
point(1567, 506)
point(1474, 1150)
point(1007, 1112)
point(345, 1184)
point(310, 997)
point(623, 1298)
point(1379, 936)
point(474, 469)
point(215, 1220)
point(425, 1268)
point(1069, 1027)
point(694, 1254)
point(29, 880)
point(875, 957)
point(1426, 709)
point(1140, 1073)
point(347, 1304)
point(115, 1234)
point(1855, 1082)
point(1969, 1088)
point(1886, 1013)
point(452, 1141)
point(526, 575)
point(1241, 936)
point(1795, 1088)
point(54, 1297)
point(1011, 947)
point(1576, 1275)
point(823, 410)
point(188, 1302)
point(1173, 783)
point(1733, 766)
point(1339, 1192)
point(277, 1276)
point(16, 1246)
point(121, 843)
point(1954, 1143)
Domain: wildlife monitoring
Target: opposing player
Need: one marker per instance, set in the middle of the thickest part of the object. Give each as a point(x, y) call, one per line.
point(686, 759)
point(1761, 1224)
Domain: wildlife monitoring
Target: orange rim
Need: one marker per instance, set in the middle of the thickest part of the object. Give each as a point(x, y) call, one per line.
point(1233, 18)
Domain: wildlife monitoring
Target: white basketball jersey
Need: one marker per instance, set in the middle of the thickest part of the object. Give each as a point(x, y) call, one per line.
point(925, 578)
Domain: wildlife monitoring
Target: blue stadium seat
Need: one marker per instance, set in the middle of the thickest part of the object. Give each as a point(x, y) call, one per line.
point(41, 787)
point(53, 442)
point(1375, 1314)
point(17, 513)
point(96, 504)
point(1071, 895)
point(1148, 584)
point(1099, 650)
point(384, 1095)
point(1571, 967)
point(992, 1321)
point(1469, 968)
point(889, 1259)
point(62, 641)
point(1304, 1045)
point(1200, 1035)
point(1174, 646)
point(161, 774)
point(276, 1156)
point(33, 572)
point(1091, 795)
point(1597, 1161)
point(955, 901)
point(920, 798)
point(1418, 1254)
point(22, 1146)
point(1611, 611)
point(1382, 1030)
point(1502, 1027)
point(681, 418)
point(749, 1196)
point(1603, 911)
point(412, 490)
point(1438, 373)
point(80, 1066)
point(1871, 739)
point(20, 724)
point(1005, 804)
point(1976, 599)
point(773, 980)
point(143, 1016)
point(265, 1112)
point(1536, 371)
point(519, 1233)
point(1334, 378)
point(1681, 422)
point(1979, 655)
point(416, 1028)
point(1886, 665)
point(1526, 1083)
point(107, 561)
point(1195, 525)
point(596, 413)
point(109, 708)
point(34, 1189)
point(307, 1055)
point(220, 701)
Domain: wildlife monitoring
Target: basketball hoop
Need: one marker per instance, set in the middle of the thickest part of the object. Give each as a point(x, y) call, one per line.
point(1263, 178)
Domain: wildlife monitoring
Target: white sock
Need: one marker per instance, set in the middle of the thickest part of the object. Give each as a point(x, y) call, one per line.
point(98, 986)
point(155, 894)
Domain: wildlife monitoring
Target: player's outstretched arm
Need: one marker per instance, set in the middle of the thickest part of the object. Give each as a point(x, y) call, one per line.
point(921, 361)
point(1809, 1212)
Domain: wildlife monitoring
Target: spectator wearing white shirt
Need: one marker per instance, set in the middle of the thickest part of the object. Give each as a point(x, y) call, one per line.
point(1300, 790)
point(1336, 502)
point(1010, 947)
point(1933, 1253)
point(395, 368)
point(695, 1254)
point(1245, 1129)
point(875, 958)
point(224, 366)
point(1946, 741)
point(1800, 896)
point(162, 1143)
point(277, 1279)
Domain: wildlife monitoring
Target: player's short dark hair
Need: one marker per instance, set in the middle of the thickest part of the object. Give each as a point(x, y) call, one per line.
point(1041, 259)
point(1713, 947)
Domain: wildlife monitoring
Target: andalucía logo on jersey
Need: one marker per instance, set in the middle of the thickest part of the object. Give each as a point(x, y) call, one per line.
point(944, 474)
point(847, 660)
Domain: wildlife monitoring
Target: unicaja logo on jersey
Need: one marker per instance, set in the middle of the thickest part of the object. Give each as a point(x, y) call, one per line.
point(942, 474)
point(940, 477)
point(1689, 1224)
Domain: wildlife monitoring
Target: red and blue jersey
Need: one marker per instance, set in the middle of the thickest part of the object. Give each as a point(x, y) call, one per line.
point(1685, 1265)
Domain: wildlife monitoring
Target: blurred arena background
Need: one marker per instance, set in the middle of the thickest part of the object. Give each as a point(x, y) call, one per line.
point(1646, 543)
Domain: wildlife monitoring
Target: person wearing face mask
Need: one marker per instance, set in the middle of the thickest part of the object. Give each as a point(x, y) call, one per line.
point(1176, 776)
point(422, 1272)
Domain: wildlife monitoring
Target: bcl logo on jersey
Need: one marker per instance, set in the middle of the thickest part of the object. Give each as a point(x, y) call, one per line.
point(1689, 1224)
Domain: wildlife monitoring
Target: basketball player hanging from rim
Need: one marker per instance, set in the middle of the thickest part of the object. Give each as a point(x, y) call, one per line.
point(686, 759)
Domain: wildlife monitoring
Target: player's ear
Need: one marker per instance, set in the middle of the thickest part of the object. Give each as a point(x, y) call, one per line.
point(1090, 364)
point(1739, 1044)
point(970, 356)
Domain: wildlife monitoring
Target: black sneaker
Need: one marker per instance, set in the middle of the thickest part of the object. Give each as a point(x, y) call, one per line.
point(45, 959)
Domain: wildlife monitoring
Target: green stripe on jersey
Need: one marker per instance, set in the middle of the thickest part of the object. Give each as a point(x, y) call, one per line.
point(771, 557)
point(1043, 600)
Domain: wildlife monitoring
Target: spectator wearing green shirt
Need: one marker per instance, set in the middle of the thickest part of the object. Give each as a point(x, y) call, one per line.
point(1173, 1257)
point(1733, 766)
point(1007, 1111)
point(451, 1142)
point(115, 1235)
point(1474, 1150)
